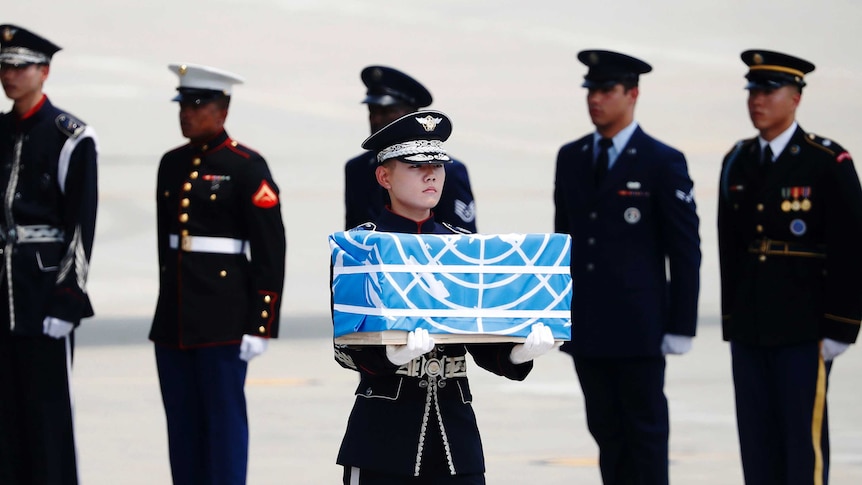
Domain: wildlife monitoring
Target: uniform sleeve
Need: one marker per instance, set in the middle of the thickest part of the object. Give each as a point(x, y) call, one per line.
point(681, 241)
point(561, 215)
point(262, 213)
point(843, 282)
point(495, 358)
point(457, 205)
point(370, 359)
point(80, 199)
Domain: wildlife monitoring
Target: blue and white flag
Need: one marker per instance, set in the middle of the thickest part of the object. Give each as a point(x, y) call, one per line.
point(495, 284)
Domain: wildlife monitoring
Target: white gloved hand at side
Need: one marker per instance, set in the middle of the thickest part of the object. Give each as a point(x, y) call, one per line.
point(419, 342)
point(675, 344)
point(252, 346)
point(56, 328)
point(832, 348)
point(539, 341)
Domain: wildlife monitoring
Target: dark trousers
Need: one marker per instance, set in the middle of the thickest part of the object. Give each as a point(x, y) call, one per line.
point(628, 417)
point(781, 413)
point(37, 444)
point(202, 390)
point(355, 476)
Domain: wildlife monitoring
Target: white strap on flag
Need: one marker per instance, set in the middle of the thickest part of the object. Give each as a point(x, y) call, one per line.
point(457, 269)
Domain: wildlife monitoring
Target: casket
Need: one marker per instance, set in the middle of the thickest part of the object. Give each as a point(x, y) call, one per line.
point(463, 288)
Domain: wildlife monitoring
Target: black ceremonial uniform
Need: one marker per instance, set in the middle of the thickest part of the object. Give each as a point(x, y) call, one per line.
point(364, 198)
point(789, 244)
point(218, 190)
point(406, 420)
point(48, 178)
point(790, 266)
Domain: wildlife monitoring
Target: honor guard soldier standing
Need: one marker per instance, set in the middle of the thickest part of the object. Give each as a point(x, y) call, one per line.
point(49, 197)
point(412, 421)
point(626, 199)
point(221, 257)
point(789, 230)
point(392, 94)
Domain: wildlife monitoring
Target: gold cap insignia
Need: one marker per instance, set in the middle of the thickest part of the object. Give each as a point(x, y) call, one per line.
point(594, 58)
point(429, 122)
point(8, 34)
point(183, 69)
point(377, 74)
point(757, 59)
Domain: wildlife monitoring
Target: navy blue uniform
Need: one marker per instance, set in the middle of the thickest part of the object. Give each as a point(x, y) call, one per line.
point(625, 232)
point(221, 272)
point(364, 199)
point(408, 423)
point(48, 184)
point(790, 265)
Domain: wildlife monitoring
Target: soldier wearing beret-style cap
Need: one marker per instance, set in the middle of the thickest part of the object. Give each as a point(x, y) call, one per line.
point(626, 199)
point(391, 94)
point(221, 249)
point(789, 230)
point(48, 188)
point(410, 423)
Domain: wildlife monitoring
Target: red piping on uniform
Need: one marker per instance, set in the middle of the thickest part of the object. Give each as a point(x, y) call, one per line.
point(234, 149)
point(34, 109)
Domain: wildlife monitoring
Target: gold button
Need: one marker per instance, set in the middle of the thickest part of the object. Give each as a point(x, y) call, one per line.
point(267, 299)
point(184, 202)
point(234, 143)
point(264, 314)
point(204, 148)
point(212, 197)
point(193, 175)
point(222, 273)
point(759, 207)
point(759, 228)
point(184, 232)
point(261, 329)
point(196, 161)
point(187, 186)
point(184, 217)
point(762, 258)
point(167, 194)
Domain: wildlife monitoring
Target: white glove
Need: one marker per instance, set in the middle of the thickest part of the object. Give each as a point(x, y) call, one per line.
point(675, 344)
point(419, 342)
point(56, 328)
point(252, 346)
point(540, 340)
point(832, 348)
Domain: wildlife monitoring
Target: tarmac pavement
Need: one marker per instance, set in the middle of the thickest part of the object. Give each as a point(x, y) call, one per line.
point(534, 432)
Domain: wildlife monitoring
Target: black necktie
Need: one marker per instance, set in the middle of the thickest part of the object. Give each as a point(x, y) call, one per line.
point(766, 159)
point(602, 160)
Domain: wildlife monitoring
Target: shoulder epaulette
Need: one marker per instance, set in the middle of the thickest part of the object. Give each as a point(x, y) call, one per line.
point(828, 146)
point(366, 226)
point(455, 229)
point(69, 125)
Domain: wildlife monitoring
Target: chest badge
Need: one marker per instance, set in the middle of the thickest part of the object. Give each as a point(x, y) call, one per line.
point(265, 197)
point(798, 227)
point(632, 215)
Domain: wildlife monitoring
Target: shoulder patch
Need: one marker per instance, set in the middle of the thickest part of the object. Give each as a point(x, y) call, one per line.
point(367, 226)
point(69, 125)
point(455, 229)
point(265, 197)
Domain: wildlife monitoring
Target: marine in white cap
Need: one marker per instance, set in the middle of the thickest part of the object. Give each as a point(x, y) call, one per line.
point(221, 248)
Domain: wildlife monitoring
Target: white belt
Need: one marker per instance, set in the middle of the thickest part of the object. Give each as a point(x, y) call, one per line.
point(206, 244)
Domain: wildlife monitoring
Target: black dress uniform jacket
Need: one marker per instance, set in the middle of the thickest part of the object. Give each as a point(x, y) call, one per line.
point(789, 244)
point(48, 179)
point(364, 198)
point(397, 417)
point(223, 190)
point(623, 232)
